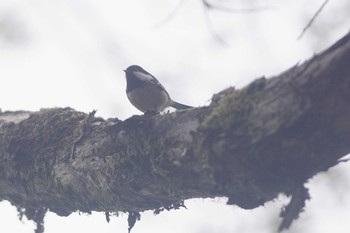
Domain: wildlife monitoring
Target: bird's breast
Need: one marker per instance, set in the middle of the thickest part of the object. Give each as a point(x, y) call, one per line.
point(149, 98)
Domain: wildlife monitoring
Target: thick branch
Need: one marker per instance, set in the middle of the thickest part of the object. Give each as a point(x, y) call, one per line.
point(249, 145)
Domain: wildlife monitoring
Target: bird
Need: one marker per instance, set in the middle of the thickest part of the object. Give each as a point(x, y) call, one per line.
point(146, 93)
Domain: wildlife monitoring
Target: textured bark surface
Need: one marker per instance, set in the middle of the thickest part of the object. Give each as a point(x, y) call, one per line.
point(249, 145)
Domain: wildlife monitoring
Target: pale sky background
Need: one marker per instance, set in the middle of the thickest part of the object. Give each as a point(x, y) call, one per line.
point(59, 53)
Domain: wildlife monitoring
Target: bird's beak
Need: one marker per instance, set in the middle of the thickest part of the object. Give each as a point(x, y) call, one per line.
point(124, 71)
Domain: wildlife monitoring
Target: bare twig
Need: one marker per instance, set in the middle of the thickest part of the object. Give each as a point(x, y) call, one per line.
point(235, 10)
point(171, 15)
point(312, 19)
point(211, 6)
point(211, 27)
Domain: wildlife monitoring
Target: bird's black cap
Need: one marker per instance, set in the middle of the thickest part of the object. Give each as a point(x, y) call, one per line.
point(132, 81)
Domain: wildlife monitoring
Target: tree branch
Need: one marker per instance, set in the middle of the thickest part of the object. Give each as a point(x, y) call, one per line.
point(249, 145)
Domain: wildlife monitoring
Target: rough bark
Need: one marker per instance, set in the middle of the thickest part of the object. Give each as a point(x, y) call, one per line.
point(248, 145)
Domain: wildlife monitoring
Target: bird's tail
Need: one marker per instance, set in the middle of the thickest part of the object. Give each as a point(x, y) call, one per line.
point(178, 105)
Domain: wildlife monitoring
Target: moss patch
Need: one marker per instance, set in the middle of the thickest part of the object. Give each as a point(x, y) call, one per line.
point(233, 105)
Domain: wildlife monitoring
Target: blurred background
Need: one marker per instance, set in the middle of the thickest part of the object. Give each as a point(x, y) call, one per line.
point(73, 52)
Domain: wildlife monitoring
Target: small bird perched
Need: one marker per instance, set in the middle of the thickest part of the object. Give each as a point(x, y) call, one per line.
point(146, 93)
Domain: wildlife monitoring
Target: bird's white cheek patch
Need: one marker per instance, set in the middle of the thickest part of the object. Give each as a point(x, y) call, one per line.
point(142, 76)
